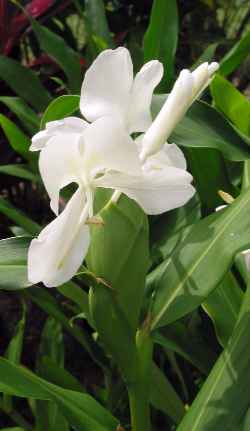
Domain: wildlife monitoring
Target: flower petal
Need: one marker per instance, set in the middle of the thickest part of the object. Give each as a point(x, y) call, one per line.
point(107, 85)
point(55, 256)
point(68, 125)
point(155, 191)
point(144, 84)
point(60, 164)
point(106, 145)
point(169, 155)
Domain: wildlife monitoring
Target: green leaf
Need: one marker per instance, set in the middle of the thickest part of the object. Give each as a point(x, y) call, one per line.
point(58, 375)
point(223, 306)
point(188, 343)
point(123, 237)
point(81, 410)
point(224, 398)
point(99, 36)
point(14, 352)
point(59, 108)
point(171, 228)
point(12, 429)
point(77, 295)
point(161, 38)
point(210, 175)
point(18, 217)
point(27, 116)
point(24, 82)
point(203, 126)
point(231, 103)
point(184, 281)
point(207, 55)
point(52, 348)
point(13, 263)
point(50, 305)
point(20, 171)
point(66, 57)
point(164, 397)
point(235, 56)
point(17, 139)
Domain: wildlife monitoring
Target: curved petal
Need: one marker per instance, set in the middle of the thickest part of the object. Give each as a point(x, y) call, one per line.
point(55, 256)
point(144, 84)
point(105, 145)
point(169, 155)
point(155, 191)
point(68, 125)
point(60, 164)
point(107, 85)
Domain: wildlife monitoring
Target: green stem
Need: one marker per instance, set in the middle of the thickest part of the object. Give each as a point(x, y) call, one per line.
point(139, 391)
point(139, 409)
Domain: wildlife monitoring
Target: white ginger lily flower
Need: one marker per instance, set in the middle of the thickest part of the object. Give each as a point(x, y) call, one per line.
point(109, 88)
point(79, 155)
point(102, 154)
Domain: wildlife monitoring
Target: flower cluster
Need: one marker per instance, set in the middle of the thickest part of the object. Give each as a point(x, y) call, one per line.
point(101, 152)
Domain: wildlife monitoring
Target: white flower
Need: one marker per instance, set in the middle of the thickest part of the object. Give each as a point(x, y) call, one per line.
point(81, 155)
point(102, 154)
point(187, 88)
point(109, 88)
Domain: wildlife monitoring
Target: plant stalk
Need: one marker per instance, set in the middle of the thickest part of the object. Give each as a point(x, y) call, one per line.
point(139, 391)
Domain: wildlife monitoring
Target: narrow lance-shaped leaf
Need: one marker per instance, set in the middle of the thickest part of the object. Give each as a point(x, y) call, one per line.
point(13, 263)
point(223, 306)
point(183, 282)
point(224, 399)
point(99, 36)
point(163, 396)
point(17, 139)
point(26, 115)
point(81, 410)
point(160, 41)
point(65, 56)
point(24, 82)
point(236, 55)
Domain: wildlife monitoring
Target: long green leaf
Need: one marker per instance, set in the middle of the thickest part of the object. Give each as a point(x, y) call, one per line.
point(24, 82)
point(27, 116)
point(231, 103)
point(81, 410)
point(164, 397)
point(235, 56)
point(203, 126)
point(189, 344)
point(13, 263)
point(99, 36)
point(160, 41)
point(19, 217)
point(17, 139)
point(223, 306)
point(224, 399)
point(20, 171)
point(66, 57)
point(183, 282)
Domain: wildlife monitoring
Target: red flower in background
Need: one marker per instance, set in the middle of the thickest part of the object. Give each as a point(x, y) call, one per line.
point(13, 22)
